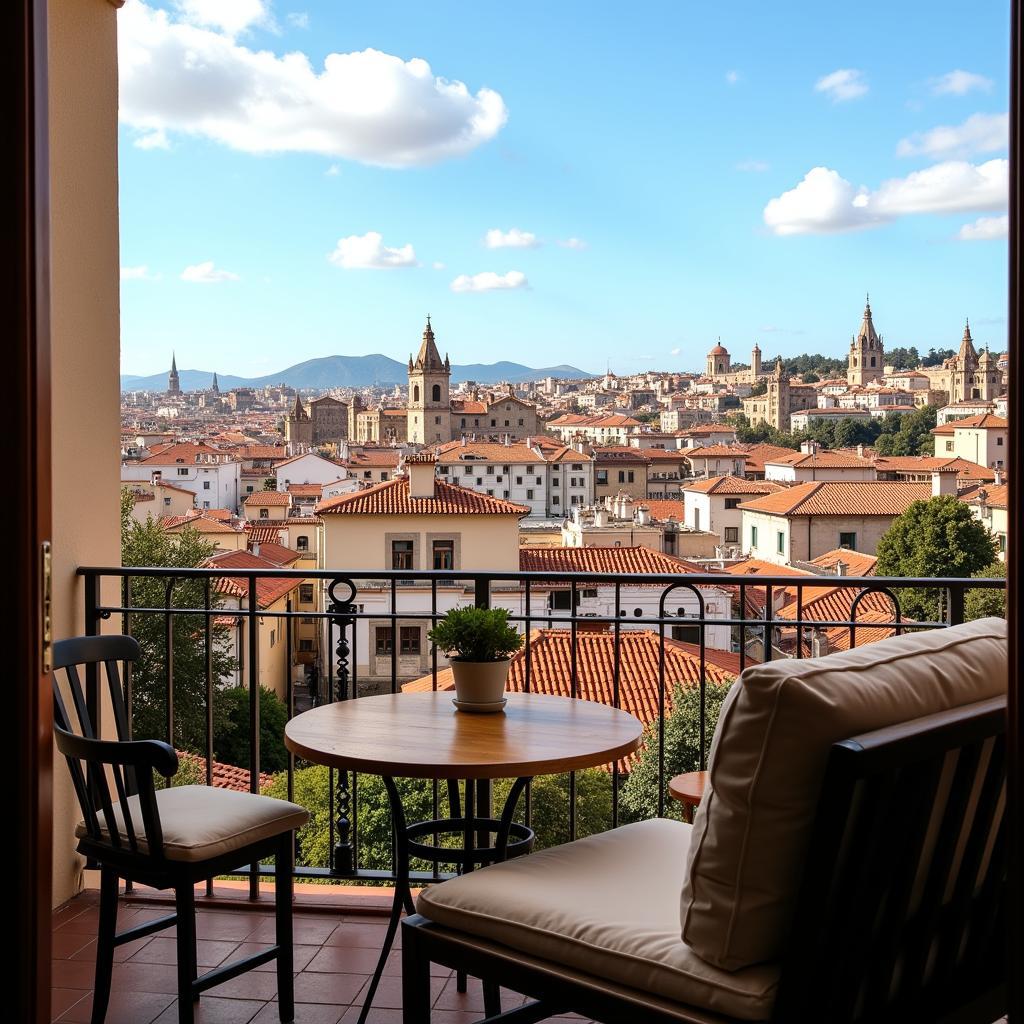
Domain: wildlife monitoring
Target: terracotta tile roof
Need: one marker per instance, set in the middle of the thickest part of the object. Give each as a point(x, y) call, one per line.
point(707, 428)
point(665, 454)
point(715, 451)
point(759, 454)
point(819, 460)
point(732, 485)
point(832, 604)
point(834, 498)
point(986, 421)
point(260, 534)
point(224, 776)
point(295, 458)
point(202, 523)
point(267, 498)
point(759, 567)
point(483, 451)
point(563, 453)
point(394, 412)
point(551, 669)
point(839, 636)
point(618, 561)
point(262, 451)
point(857, 563)
point(610, 419)
point(664, 509)
point(391, 498)
point(162, 484)
point(168, 455)
point(268, 591)
point(966, 469)
point(306, 490)
point(468, 406)
point(996, 495)
point(383, 459)
point(620, 454)
point(277, 553)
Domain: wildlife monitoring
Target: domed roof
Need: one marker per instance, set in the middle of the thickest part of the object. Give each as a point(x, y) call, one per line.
point(718, 350)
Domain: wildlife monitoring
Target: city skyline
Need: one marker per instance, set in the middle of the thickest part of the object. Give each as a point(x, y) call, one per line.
point(581, 215)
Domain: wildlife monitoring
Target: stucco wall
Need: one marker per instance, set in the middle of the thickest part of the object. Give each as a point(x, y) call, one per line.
point(85, 334)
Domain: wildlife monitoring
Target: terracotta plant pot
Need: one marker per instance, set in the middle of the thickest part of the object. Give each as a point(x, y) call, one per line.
point(480, 682)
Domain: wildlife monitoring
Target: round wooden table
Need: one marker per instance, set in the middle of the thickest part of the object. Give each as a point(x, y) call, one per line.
point(688, 789)
point(421, 735)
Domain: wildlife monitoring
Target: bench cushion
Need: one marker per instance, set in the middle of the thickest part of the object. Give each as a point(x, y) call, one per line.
point(201, 822)
point(774, 732)
point(605, 906)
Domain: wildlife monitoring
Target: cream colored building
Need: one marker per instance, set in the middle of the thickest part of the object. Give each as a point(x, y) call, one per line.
point(800, 523)
point(158, 498)
point(990, 506)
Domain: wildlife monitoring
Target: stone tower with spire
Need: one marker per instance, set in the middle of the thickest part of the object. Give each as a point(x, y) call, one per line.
point(779, 397)
point(429, 417)
point(968, 382)
point(215, 387)
point(867, 356)
point(173, 383)
point(755, 363)
point(298, 424)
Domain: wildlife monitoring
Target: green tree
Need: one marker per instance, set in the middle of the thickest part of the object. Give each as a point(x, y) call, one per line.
point(148, 544)
point(979, 604)
point(939, 537)
point(682, 750)
point(936, 356)
point(270, 484)
point(903, 358)
point(231, 744)
point(810, 377)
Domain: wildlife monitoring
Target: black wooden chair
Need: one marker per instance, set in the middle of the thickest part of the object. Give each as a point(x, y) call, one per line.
point(900, 915)
point(168, 838)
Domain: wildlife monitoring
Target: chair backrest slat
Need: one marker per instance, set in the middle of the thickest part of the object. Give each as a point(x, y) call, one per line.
point(107, 812)
point(903, 887)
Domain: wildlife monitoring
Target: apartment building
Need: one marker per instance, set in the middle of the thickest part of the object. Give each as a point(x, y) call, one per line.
point(214, 475)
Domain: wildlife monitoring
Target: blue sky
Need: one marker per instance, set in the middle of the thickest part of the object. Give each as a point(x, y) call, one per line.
point(687, 171)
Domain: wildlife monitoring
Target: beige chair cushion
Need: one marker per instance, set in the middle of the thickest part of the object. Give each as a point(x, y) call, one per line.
point(200, 822)
point(605, 906)
point(776, 726)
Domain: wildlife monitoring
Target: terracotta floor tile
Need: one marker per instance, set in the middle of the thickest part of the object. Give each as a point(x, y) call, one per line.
point(223, 925)
point(64, 944)
point(360, 934)
point(133, 977)
point(161, 950)
point(215, 1010)
point(312, 987)
point(473, 999)
point(62, 999)
point(251, 985)
point(124, 1008)
point(301, 955)
point(345, 960)
point(80, 974)
point(389, 991)
point(305, 1013)
point(377, 1016)
point(121, 953)
point(308, 930)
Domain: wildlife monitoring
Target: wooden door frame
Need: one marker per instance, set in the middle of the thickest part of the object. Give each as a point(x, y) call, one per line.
point(25, 425)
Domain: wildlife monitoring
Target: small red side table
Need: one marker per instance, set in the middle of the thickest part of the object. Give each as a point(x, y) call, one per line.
point(688, 789)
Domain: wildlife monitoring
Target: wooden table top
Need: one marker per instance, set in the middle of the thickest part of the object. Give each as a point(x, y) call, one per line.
point(688, 788)
point(421, 735)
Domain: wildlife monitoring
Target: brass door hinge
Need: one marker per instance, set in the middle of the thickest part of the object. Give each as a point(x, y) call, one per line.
point(46, 607)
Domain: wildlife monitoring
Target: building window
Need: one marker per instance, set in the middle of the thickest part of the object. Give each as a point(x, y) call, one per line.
point(467, 470)
point(167, 502)
point(753, 536)
point(408, 639)
point(206, 483)
point(444, 554)
point(999, 442)
point(435, 393)
point(848, 540)
point(401, 554)
point(264, 513)
point(519, 481)
point(686, 634)
point(273, 637)
point(306, 593)
point(301, 543)
point(780, 542)
point(555, 501)
point(732, 535)
point(529, 494)
point(182, 472)
point(383, 643)
point(554, 481)
point(306, 646)
point(602, 476)
point(577, 467)
point(416, 393)
point(732, 502)
point(490, 471)
point(437, 421)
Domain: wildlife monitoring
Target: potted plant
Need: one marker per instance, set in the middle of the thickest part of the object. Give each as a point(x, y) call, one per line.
point(479, 644)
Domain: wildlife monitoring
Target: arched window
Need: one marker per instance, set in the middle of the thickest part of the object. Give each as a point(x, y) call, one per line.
point(416, 392)
point(435, 393)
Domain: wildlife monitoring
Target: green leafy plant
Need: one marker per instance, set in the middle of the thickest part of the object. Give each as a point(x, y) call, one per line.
point(476, 634)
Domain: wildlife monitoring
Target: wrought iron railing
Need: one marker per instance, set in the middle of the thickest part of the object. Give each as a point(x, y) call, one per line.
point(758, 629)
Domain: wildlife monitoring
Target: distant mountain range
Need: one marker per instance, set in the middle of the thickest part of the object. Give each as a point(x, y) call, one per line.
point(348, 372)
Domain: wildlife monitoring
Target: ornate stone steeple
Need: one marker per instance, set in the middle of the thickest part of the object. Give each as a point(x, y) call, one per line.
point(429, 409)
point(866, 361)
point(173, 383)
point(215, 387)
point(429, 359)
point(968, 354)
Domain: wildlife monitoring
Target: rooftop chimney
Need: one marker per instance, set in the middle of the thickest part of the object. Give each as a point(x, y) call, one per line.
point(420, 471)
point(943, 483)
point(999, 477)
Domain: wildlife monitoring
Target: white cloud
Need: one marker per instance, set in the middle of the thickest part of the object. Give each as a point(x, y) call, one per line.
point(572, 243)
point(825, 202)
point(844, 84)
point(138, 274)
point(511, 239)
point(207, 273)
point(984, 229)
point(333, 171)
point(180, 76)
point(488, 281)
point(732, 77)
point(753, 166)
point(155, 138)
point(980, 133)
point(438, 265)
point(298, 19)
point(229, 16)
point(959, 83)
point(675, 352)
point(368, 252)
